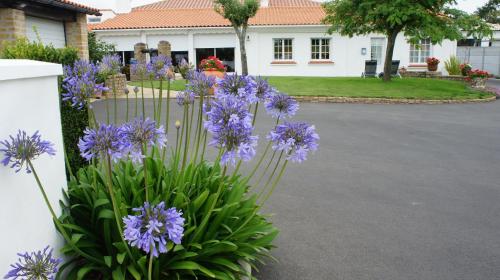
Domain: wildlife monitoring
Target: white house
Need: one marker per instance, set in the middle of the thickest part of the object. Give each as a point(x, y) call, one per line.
point(285, 38)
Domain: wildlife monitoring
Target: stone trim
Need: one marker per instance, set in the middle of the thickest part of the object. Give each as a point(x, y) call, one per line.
point(353, 100)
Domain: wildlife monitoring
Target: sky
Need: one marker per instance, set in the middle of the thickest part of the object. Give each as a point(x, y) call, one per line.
point(466, 5)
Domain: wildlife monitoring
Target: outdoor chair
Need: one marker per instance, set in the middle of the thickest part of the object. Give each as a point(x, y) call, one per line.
point(370, 69)
point(394, 70)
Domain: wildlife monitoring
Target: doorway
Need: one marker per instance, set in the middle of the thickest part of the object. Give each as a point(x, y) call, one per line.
point(226, 55)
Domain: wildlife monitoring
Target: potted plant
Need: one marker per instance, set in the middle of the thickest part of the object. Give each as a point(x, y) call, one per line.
point(478, 78)
point(465, 68)
point(212, 66)
point(432, 64)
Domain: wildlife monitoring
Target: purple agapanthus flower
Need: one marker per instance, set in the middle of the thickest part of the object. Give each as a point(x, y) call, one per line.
point(138, 69)
point(35, 265)
point(152, 227)
point(142, 132)
point(199, 84)
point(263, 90)
point(110, 65)
point(80, 83)
point(21, 148)
point(106, 140)
point(231, 126)
point(241, 86)
point(185, 98)
point(281, 106)
point(295, 139)
point(158, 66)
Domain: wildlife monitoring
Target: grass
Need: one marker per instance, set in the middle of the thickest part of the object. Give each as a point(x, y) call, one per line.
point(176, 84)
point(409, 88)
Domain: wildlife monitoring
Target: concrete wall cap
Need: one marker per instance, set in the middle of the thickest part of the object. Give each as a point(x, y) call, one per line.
point(12, 69)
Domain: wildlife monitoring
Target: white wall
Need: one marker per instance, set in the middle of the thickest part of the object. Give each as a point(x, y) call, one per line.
point(345, 52)
point(30, 102)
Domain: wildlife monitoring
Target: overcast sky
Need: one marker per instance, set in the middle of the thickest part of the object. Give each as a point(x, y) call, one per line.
point(466, 5)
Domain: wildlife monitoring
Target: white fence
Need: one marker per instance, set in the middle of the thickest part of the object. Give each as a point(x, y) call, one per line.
point(29, 101)
point(484, 58)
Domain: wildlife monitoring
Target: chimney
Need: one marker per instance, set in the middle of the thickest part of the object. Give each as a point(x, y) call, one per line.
point(264, 3)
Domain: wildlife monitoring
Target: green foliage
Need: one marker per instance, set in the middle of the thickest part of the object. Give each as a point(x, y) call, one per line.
point(452, 66)
point(234, 230)
point(490, 12)
point(22, 48)
point(98, 48)
point(237, 12)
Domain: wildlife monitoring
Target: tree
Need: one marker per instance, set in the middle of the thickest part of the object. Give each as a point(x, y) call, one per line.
point(490, 12)
point(238, 13)
point(417, 19)
point(98, 48)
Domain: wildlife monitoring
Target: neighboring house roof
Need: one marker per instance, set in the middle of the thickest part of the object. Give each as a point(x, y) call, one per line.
point(200, 13)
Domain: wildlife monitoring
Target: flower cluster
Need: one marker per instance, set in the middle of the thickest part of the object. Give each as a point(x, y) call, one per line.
point(231, 126)
point(263, 90)
point(432, 61)
point(110, 65)
point(465, 68)
point(212, 63)
point(185, 98)
point(106, 140)
point(281, 106)
point(152, 227)
point(142, 132)
point(80, 83)
point(120, 141)
point(159, 66)
point(138, 69)
point(184, 68)
point(23, 148)
point(478, 74)
point(35, 265)
point(241, 86)
point(199, 84)
point(295, 139)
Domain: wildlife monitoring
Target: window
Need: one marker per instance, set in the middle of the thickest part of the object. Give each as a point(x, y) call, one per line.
point(320, 48)
point(377, 49)
point(283, 49)
point(420, 53)
point(94, 19)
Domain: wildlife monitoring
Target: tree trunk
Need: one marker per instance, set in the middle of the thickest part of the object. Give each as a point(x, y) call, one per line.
point(243, 52)
point(391, 40)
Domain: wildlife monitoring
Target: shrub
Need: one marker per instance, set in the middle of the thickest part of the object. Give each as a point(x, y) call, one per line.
point(234, 231)
point(452, 66)
point(98, 48)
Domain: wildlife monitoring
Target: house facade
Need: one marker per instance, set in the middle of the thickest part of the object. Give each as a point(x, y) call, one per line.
point(285, 38)
point(57, 22)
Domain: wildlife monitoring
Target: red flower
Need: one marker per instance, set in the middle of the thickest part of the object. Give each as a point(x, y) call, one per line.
point(432, 61)
point(212, 63)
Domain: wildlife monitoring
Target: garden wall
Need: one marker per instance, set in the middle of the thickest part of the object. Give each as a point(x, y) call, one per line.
point(30, 102)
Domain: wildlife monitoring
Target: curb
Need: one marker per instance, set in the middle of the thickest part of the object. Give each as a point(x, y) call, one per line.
point(361, 100)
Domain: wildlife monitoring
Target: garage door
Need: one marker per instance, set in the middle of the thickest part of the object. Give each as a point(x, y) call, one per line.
point(50, 31)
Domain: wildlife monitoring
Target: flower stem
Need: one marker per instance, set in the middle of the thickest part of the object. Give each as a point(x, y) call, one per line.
point(136, 105)
point(142, 96)
point(167, 118)
point(150, 267)
point(160, 101)
point(57, 221)
point(154, 101)
point(258, 163)
point(145, 169)
point(255, 113)
point(282, 171)
point(126, 116)
point(198, 128)
point(114, 98)
point(186, 140)
point(204, 145)
point(272, 175)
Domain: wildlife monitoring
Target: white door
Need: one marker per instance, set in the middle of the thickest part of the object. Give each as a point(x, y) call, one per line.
point(49, 31)
point(377, 52)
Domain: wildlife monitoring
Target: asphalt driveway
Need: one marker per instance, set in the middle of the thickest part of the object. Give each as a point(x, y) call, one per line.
point(395, 192)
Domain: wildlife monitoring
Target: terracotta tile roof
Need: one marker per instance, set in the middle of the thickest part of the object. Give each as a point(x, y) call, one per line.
point(200, 13)
point(70, 5)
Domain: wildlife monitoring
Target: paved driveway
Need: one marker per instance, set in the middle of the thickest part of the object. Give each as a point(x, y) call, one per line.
point(395, 192)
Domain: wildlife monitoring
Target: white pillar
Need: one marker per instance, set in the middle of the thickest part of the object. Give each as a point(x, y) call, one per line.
point(30, 102)
point(191, 50)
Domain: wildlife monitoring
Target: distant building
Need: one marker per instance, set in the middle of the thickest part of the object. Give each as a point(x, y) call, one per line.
point(57, 22)
point(108, 8)
point(285, 38)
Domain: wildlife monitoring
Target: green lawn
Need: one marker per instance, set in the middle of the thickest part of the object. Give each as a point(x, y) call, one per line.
point(411, 88)
point(176, 85)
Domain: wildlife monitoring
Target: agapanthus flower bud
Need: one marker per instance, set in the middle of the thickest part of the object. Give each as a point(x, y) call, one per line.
point(295, 139)
point(142, 132)
point(240, 86)
point(152, 227)
point(136, 89)
point(18, 150)
point(126, 91)
point(35, 265)
point(281, 106)
point(106, 140)
point(177, 124)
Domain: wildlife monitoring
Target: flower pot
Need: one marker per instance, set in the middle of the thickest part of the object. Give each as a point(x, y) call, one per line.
point(478, 82)
point(432, 67)
point(216, 74)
